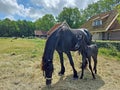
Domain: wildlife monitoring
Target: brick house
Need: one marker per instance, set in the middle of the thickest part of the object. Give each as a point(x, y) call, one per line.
point(40, 33)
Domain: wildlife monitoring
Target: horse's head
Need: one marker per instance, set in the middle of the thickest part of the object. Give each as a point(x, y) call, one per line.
point(47, 67)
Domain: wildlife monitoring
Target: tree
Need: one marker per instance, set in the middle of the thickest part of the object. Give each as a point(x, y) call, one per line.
point(118, 9)
point(71, 15)
point(8, 28)
point(13, 29)
point(45, 23)
point(26, 27)
point(97, 8)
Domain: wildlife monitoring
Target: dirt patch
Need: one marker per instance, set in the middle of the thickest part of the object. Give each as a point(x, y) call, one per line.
point(19, 73)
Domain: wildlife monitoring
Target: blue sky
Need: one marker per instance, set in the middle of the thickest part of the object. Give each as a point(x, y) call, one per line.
point(34, 9)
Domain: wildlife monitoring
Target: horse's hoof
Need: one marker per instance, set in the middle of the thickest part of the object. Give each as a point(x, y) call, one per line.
point(75, 77)
point(81, 77)
point(94, 78)
point(49, 86)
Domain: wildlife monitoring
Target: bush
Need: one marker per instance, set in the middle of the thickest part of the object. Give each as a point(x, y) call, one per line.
point(109, 48)
point(108, 44)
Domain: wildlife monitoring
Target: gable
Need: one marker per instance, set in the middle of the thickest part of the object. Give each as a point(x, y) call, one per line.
point(53, 28)
point(56, 26)
point(101, 22)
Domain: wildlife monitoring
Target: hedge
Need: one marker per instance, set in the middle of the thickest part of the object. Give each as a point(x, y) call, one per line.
point(108, 44)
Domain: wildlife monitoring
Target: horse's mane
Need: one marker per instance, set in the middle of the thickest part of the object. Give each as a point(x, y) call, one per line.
point(50, 39)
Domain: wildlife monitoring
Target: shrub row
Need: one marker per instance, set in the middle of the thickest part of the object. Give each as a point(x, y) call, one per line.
point(108, 44)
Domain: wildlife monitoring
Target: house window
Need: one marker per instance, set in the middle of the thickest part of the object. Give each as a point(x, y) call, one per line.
point(97, 23)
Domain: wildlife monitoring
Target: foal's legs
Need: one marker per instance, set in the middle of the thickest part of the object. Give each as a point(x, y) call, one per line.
point(84, 62)
point(72, 64)
point(95, 64)
point(90, 67)
point(62, 64)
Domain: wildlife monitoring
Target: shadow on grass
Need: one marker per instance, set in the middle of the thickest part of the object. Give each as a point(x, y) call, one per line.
point(68, 83)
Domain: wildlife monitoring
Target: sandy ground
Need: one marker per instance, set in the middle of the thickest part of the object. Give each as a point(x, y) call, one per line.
point(18, 73)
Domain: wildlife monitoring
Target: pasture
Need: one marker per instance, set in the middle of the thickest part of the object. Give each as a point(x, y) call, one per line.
point(20, 69)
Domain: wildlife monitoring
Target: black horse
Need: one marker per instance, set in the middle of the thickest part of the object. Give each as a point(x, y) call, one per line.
point(62, 40)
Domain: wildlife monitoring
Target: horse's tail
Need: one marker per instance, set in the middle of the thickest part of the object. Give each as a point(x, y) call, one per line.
point(41, 66)
point(79, 52)
point(88, 36)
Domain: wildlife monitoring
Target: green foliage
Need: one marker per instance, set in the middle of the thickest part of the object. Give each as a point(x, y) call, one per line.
point(111, 52)
point(9, 28)
point(45, 23)
point(118, 9)
point(109, 44)
point(26, 28)
point(109, 48)
point(71, 15)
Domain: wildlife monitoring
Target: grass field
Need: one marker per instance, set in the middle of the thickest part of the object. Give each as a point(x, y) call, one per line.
point(20, 68)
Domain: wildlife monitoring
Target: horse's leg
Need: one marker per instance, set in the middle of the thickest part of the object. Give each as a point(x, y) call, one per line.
point(62, 64)
point(95, 64)
point(84, 62)
point(90, 67)
point(72, 64)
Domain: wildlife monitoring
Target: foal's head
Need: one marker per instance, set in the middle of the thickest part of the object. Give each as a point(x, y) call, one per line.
point(79, 43)
point(47, 67)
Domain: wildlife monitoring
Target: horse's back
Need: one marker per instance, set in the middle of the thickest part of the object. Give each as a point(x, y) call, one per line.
point(68, 40)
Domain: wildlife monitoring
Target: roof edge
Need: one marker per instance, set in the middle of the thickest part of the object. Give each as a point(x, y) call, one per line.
point(111, 22)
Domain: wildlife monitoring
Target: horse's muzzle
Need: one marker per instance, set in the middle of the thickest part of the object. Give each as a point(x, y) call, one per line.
point(48, 81)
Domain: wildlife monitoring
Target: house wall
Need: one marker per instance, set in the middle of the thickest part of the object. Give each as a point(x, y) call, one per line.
point(115, 35)
point(101, 36)
point(97, 36)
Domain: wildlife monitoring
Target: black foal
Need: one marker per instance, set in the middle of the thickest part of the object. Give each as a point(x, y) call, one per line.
point(87, 52)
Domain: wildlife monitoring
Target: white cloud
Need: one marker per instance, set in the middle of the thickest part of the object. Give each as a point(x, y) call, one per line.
point(55, 6)
point(11, 7)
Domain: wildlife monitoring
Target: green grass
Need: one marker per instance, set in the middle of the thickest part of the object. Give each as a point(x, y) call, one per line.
point(28, 47)
point(110, 53)
point(33, 48)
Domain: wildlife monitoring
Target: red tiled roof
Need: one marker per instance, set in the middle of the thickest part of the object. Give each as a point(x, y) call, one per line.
point(53, 28)
point(56, 26)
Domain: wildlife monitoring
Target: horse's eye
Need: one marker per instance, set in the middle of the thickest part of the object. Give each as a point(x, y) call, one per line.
point(80, 36)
